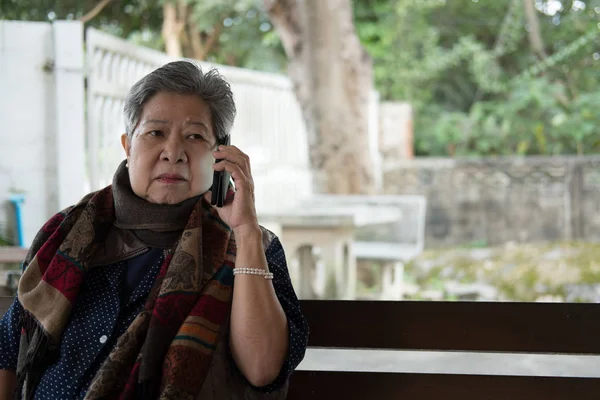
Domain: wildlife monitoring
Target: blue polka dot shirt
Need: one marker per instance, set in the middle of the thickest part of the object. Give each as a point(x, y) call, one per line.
point(110, 299)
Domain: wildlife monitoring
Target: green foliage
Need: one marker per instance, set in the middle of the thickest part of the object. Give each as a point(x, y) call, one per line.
point(247, 38)
point(520, 272)
point(122, 18)
point(529, 119)
point(476, 86)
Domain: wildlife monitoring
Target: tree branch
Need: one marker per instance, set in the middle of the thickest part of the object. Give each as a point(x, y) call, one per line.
point(196, 42)
point(284, 16)
point(202, 49)
point(213, 37)
point(537, 45)
point(94, 11)
point(187, 42)
point(535, 35)
point(182, 11)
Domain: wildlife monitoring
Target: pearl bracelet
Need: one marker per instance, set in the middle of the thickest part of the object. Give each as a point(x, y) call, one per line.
point(253, 271)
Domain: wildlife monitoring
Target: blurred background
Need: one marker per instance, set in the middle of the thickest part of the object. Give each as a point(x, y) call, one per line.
point(401, 149)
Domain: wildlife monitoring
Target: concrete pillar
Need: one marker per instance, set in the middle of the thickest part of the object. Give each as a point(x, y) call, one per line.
point(307, 264)
point(69, 106)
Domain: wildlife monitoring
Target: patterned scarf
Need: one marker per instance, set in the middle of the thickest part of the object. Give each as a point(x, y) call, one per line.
point(167, 350)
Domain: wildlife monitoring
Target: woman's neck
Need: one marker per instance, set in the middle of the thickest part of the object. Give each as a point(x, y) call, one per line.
point(157, 225)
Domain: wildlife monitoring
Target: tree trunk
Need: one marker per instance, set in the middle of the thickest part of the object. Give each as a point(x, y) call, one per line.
point(333, 82)
point(172, 28)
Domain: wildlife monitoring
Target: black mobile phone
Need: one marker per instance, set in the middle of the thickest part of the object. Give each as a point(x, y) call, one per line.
point(221, 179)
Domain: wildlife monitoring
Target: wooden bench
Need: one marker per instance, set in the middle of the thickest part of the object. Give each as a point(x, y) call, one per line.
point(493, 329)
point(543, 329)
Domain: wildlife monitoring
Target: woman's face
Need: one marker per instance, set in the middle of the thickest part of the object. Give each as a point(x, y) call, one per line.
point(170, 152)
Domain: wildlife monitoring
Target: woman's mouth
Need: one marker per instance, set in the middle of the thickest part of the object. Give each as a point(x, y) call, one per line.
point(171, 178)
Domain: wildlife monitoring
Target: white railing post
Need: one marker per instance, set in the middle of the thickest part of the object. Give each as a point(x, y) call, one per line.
point(69, 105)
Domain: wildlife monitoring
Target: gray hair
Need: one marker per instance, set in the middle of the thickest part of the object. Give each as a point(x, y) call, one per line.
point(183, 77)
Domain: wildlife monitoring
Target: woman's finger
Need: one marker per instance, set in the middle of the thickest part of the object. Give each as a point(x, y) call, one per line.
point(242, 181)
point(238, 154)
point(234, 158)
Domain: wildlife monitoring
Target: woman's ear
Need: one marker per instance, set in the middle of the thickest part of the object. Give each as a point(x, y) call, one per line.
point(126, 143)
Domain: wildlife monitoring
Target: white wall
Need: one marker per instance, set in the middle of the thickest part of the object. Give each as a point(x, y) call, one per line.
point(26, 123)
point(29, 124)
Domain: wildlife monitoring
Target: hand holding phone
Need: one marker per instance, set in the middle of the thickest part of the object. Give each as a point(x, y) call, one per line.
point(220, 184)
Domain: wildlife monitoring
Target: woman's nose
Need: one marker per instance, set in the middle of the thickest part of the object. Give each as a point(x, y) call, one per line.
point(174, 150)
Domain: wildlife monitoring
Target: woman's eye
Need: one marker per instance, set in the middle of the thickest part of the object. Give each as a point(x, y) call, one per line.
point(155, 133)
point(196, 136)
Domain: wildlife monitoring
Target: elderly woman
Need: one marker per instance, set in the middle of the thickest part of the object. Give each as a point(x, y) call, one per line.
point(144, 290)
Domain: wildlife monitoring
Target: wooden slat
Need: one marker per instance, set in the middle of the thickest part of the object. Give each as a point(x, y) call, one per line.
point(12, 254)
point(470, 326)
point(356, 385)
point(512, 327)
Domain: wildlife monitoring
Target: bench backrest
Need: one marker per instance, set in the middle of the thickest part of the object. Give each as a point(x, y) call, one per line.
point(446, 327)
